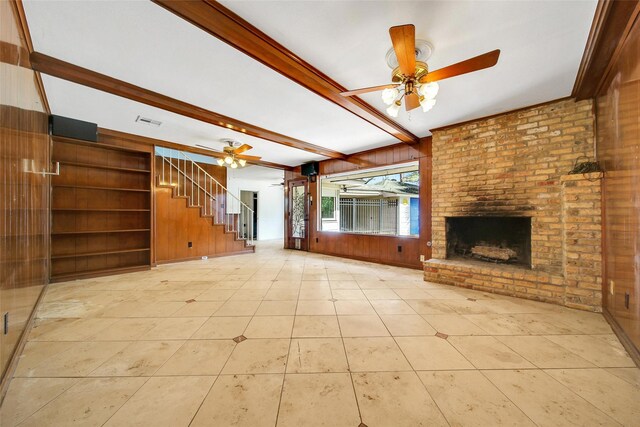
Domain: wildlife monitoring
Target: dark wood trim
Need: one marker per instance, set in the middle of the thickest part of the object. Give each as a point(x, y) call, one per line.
point(230, 28)
point(108, 136)
point(26, 34)
point(540, 104)
point(628, 345)
point(92, 79)
point(611, 25)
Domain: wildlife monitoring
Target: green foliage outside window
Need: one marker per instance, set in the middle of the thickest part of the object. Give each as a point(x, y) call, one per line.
point(328, 207)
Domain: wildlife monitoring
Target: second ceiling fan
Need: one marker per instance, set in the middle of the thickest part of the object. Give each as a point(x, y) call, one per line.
point(412, 80)
point(233, 153)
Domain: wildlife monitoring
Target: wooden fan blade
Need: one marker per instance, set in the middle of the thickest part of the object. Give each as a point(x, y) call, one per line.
point(411, 101)
point(250, 158)
point(367, 90)
point(403, 38)
point(479, 62)
point(242, 149)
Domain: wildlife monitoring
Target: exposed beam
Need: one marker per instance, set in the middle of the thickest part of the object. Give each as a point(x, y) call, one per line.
point(73, 73)
point(611, 25)
point(109, 136)
point(230, 28)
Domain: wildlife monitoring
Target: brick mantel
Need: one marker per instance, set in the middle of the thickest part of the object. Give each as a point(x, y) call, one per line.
point(517, 164)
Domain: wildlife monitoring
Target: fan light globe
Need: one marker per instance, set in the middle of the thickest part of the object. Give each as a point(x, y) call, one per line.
point(220, 162)
point(234, 165)
point(430, 90)
point(389, 95)
point(242, 162)
point(228, 160)
point(427, 104)
point(393, 109)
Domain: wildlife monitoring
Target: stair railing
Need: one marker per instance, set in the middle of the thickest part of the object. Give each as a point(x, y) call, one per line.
point(190, 180)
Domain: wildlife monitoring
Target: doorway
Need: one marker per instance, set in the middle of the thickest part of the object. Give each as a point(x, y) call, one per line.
point(298, 215)
point(250, 198)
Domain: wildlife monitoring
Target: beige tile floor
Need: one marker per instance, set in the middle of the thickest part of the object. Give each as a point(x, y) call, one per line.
point(329, 342)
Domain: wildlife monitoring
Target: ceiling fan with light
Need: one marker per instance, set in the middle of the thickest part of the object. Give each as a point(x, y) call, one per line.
point(232, 152)
point(412, 80)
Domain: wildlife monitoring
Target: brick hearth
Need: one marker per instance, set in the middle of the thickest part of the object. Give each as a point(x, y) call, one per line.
point(516, 164)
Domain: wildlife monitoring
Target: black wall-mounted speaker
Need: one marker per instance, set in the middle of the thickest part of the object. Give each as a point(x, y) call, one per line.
point(71, 128)
point(310, 169)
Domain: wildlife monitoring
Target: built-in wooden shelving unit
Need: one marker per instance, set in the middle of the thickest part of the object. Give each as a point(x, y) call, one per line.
point(100, 210)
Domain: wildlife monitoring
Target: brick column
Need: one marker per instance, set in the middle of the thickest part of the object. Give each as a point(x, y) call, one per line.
point(582, 240)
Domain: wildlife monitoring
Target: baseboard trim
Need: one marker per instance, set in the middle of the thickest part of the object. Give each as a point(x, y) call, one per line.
point(628, 345)
point(371, 260)
point(172, 261)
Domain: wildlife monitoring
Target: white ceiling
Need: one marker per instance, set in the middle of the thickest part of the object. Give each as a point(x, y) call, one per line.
point(142, 43)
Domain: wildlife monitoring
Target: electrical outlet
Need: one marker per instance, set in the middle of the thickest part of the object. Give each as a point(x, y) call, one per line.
point(421, 258)
point(399, 248)
point(190, 244)
point(626, 300)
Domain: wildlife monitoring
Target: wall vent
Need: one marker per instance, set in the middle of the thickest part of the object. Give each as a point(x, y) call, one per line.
point(148, 121)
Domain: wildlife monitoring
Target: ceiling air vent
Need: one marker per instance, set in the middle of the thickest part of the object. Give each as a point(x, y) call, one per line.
point(148, 121)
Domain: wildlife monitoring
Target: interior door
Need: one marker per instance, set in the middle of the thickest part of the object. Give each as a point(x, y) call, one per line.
point(298, 215)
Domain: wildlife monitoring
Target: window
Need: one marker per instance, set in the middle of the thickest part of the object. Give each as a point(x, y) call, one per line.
point(381, 201)
point(328, 208)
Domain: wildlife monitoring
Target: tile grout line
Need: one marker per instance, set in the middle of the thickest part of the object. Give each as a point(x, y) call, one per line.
point(413, 369)
point(346, 356)
point(286, 363)
point(228, 357)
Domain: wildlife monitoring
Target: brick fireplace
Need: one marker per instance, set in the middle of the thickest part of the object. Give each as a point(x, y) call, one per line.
point(507, 217)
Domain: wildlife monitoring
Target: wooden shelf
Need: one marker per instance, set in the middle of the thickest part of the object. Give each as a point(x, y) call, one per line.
point(87, 247)
point(135, 230)
point(89, 165)
point(98, 210)
point(87, 254)
point(101, 188)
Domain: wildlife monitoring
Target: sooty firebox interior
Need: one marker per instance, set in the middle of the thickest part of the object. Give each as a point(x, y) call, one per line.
point(493, 239)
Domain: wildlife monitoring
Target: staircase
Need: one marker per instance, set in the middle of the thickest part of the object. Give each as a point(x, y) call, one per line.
point(231, 219)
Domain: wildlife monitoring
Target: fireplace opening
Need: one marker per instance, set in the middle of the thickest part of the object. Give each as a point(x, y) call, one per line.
point(504, 240)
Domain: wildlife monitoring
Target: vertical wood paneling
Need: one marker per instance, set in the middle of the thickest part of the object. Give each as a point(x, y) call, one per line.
point(618, 147)
point(179, 224)
point(381, 249)
point(24, 200)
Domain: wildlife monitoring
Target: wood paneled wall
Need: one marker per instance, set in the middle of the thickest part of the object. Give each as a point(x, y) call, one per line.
point(618, 148)
point(178, 224)
point(24, 196)
point(380, 249)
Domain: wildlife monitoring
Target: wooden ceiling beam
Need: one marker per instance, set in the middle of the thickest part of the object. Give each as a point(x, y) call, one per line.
point(73, 73)
point(113, 136)
point(230, 28)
